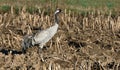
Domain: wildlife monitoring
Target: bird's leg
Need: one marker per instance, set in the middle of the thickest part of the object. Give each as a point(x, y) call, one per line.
point(41, 53)
point(23, 50)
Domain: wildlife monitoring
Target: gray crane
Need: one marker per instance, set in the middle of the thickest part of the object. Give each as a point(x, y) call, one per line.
point(42, 36)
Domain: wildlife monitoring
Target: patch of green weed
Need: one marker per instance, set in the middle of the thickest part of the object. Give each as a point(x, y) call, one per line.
point(5, 8)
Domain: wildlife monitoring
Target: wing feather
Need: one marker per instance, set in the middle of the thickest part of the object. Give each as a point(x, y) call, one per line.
point(40, 36)
point(44, 36)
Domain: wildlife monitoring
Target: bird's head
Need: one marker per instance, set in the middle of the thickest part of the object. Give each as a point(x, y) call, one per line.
point(57, 11)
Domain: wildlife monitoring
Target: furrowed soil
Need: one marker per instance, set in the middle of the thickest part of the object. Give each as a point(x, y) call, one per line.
point(88, 41)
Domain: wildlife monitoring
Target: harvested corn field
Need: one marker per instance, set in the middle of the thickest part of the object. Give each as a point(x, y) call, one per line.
point(84, 41)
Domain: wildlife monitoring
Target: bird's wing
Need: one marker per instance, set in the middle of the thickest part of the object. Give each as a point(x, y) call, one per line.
point(41, 36)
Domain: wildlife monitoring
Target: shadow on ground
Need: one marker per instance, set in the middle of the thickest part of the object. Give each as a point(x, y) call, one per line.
point(6, 51)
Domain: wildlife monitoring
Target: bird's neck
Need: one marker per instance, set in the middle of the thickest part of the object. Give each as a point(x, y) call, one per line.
point(56, 19)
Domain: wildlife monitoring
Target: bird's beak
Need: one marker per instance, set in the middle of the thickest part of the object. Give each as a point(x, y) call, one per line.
point(62, 12)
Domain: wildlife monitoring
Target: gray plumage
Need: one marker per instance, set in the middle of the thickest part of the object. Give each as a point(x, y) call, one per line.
point(41, 37)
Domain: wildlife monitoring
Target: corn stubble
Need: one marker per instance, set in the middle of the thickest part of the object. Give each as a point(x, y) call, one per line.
point(89, 42)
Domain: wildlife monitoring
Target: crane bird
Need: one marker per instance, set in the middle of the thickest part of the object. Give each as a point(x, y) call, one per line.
point(42, 36)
